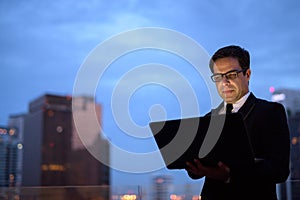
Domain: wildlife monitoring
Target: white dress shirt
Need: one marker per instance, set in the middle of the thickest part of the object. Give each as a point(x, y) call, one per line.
point(237, 105)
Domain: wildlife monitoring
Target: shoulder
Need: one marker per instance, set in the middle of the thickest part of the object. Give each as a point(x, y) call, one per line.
point(268, 106)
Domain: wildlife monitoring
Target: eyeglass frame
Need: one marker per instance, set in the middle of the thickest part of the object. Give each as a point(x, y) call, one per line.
point(225, 74)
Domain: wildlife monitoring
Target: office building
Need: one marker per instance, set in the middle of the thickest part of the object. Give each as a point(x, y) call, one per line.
point(53, 154)
point(10, 157)
point(87, 142)
point(294, 123)
point(291, 100)
point(161, 187)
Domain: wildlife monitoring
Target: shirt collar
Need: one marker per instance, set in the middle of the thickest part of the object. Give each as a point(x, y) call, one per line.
point(237, 105)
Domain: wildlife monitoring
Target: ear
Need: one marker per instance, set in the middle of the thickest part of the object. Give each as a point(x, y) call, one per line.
point(248, 73)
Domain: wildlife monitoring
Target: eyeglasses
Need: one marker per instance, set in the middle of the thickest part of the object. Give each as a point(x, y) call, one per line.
point(228, 75)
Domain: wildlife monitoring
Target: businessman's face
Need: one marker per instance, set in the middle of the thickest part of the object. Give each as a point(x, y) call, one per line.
point(231, 88)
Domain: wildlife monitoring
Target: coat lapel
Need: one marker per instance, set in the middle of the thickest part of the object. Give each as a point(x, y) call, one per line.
point(245, 110)
point(248, 106)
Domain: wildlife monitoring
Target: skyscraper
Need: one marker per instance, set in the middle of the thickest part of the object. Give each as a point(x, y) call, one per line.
point(10, 157)
point(53, 153)
point(161, 185)
point(294, 123)
point(86, 139)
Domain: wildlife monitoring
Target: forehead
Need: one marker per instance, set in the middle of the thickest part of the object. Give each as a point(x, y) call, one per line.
point(226, 64)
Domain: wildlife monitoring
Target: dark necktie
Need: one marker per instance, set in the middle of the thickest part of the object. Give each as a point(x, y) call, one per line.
point(229, 108)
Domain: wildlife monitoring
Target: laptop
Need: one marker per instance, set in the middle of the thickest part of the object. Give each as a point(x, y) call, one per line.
point(211, 139)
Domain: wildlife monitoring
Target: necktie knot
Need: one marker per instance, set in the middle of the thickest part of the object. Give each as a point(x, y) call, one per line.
point(229, 108)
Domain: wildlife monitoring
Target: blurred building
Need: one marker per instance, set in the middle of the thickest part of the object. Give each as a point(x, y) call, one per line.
point(161, 187)
point(294, 186)
point(10, 158)
point(53, 154)
point(291, 100)
point(86, 139)
point(128, 192)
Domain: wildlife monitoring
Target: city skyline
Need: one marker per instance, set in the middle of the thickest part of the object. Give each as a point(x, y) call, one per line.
point(44, 44)
point(54, 152)
point(284, 96)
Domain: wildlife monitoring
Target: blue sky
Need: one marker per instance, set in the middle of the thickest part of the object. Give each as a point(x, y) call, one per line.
point(44, 43)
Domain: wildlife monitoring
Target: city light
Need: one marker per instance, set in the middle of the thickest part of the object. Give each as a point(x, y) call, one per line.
point(128, 197)
point(53, 167)
point(278, 97)
point(12, 131)
point(272, 89)
point(181, 197)
point(20, 146)
point(3, 131)
point(174, 197)
point(295, 140)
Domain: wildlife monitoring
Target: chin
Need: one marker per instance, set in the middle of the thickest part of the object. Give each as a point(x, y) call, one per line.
point(229, 100)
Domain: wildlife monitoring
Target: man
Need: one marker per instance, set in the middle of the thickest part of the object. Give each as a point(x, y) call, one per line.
point(266, 124)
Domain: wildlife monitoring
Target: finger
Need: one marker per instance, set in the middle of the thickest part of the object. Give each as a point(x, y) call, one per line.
point(197, 162)
point(222, 165)
point(192, 170)
point(190, 166)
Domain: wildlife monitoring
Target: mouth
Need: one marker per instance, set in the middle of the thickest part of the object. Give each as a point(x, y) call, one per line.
point(226, 92)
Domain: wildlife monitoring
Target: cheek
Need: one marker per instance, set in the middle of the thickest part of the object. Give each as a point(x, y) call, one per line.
point(244, 84)
point(219, 88)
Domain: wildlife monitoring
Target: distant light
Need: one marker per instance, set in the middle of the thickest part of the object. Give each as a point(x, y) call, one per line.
point(20, 146)
point(50, 113)
point(196, 198)
point(294, 140)
point(12, 131)
point(59, 129)
point(278, 97)
point(159, 180)
point(129, 197)
point(11, 177)
point(69, 97)
point(3, 131)
point(272, 89)
point(177, 197)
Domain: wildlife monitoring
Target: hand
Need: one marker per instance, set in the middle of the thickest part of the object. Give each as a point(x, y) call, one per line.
point(221, 172)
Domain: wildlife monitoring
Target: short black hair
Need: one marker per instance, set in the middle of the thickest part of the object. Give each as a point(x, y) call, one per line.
point(241, 54)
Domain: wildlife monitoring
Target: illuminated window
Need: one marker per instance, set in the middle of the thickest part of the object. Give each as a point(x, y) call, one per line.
point(53, 167)
point(128, 197)
point(59, 129)
point(294, 140)
point(12, 131)
point(50, 113)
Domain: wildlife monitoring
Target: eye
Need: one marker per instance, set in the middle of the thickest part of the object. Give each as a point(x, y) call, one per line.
point(231, 75)
point(218, 77)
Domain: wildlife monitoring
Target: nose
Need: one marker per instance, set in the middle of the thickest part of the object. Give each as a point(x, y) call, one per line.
point(225, 80)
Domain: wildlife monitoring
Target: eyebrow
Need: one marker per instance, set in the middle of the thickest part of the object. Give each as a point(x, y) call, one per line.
point(233, 70)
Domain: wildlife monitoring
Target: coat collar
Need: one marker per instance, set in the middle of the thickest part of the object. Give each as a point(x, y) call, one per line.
point(245, 110)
